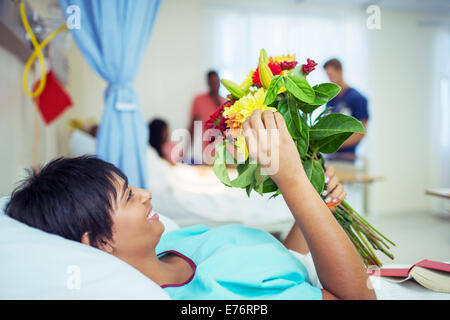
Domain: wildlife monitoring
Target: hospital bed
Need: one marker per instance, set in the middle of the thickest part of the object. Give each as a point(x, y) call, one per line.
point(194, 195)
point(38, 265)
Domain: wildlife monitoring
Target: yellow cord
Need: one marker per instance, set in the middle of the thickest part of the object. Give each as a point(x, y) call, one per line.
point(37, 52)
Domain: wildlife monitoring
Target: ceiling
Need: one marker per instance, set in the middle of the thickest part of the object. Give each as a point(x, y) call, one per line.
point(419, 6)
point(440, 7)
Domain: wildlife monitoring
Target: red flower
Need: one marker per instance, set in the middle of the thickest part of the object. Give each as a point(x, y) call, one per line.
point(255, 78)
point(310, 66)
point(222, 126)
point(288, 65)
point(216, 121)
point(275, 68)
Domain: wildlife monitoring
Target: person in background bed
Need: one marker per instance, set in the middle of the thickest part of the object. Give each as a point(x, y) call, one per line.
point(159, 140)
point(88, 200)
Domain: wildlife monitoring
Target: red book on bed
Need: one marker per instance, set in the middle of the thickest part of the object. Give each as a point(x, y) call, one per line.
point(430, 274)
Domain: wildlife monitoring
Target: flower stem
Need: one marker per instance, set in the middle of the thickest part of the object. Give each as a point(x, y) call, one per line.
point(361, 224)
point(368, 248)
point(346, 205)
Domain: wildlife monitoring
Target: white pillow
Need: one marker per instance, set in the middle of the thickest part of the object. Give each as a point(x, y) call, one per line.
point(81, 143)
point(38, 265)
point(158, 171)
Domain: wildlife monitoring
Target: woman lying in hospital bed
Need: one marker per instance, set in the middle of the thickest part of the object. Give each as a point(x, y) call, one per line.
point(88, 200)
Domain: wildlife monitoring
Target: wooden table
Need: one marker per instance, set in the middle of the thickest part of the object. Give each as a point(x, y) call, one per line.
point(354, 176)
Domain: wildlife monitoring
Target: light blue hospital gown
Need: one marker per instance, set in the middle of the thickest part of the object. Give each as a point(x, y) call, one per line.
point(237, 262)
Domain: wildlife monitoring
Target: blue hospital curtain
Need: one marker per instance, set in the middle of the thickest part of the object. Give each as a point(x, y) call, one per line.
point(112, 36)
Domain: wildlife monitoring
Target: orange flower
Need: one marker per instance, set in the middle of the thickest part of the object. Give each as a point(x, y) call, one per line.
point(234, 120)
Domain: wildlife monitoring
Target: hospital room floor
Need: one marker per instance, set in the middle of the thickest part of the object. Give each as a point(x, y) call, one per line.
point(418, 236)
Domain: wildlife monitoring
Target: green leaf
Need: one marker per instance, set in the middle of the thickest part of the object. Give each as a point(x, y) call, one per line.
point(246, 171)
point(275, 86)
point(303, 143)
point(300, 88)
point(335, 123)
point(220, 168)
point(324, 92)
point(291, 117)
point(332, 130)
point(319, 100)
point(331, 144)
point(260, 179)
point(241, 168)
point(246, 177)
point(259, 176)
point(315, 174)
point(249, 188)
point(327, 90)
point(295, 116)
point(276, 194)
point(259, 188)
point(297, 126)
point(269, 186)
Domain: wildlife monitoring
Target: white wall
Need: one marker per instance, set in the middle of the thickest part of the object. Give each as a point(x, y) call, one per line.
point(18, 126)
point(173, 69)
point(402, 97)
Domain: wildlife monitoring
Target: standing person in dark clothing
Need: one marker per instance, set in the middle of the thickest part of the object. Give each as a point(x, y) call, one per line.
point(349, 101)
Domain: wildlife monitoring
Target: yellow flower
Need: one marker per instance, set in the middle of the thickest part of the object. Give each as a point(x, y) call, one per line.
point(241, 146)
point(282, 58)
point(241, 110)
point(244, 107)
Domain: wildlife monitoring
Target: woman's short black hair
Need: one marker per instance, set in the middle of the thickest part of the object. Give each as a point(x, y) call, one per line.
point(68, 197)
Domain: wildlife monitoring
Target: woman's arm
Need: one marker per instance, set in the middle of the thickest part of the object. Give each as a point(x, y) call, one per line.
point(337, 262)
point(295, 240)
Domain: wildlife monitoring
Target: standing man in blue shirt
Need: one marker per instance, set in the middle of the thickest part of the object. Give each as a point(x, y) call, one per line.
point(350, 102)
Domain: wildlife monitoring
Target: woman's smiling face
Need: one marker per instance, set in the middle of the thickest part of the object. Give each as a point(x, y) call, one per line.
point(136, 228)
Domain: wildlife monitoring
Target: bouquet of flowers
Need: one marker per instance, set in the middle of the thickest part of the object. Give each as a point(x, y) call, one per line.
point(279, 84)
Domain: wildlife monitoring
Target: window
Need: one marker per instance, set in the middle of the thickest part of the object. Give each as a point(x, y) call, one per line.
point(234, 37)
